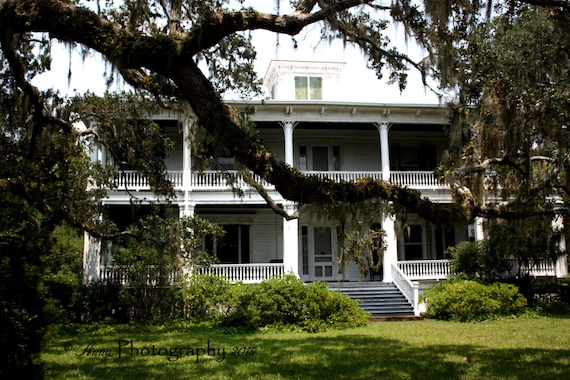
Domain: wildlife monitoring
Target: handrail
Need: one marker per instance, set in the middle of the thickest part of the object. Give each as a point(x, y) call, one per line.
point(410, 289)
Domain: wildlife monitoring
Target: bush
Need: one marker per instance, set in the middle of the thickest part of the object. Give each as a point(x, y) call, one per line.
point(469, 300)
point(290, 302)
point(208, 297)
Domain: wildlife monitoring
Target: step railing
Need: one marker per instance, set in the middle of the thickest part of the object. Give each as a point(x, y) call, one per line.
point(410, 289)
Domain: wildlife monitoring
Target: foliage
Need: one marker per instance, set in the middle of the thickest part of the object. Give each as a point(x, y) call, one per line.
point(465, 258)
point(476, 259)
point(289, 302)
point(365, 249)
point(465, 300)
point(208, 297)
point(23, 242)
point(61, 277)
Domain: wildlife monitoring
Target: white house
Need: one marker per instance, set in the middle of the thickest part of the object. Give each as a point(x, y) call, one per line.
point(308, 127)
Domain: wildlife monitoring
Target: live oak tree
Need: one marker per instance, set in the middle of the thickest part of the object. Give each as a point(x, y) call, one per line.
point(506, 67)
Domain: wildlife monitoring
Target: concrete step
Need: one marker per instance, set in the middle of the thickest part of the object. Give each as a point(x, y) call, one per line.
point(379, 299)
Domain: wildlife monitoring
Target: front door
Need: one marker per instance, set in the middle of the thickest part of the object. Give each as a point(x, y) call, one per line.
point(323, 258)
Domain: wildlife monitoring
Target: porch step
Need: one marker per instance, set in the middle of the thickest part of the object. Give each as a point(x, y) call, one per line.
point(379, 299)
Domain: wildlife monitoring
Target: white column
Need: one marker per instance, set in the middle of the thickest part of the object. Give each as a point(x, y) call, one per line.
point(91, 258)
point(288, 127)
point(186, 155)
point(291, 242)
point(384, 150)
point(391, 253)
point(186, 206)
point(561, 265)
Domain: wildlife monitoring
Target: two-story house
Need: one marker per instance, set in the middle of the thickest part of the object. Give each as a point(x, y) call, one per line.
point(311, 124)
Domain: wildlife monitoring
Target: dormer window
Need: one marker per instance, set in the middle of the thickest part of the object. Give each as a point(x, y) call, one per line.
point(308, 88)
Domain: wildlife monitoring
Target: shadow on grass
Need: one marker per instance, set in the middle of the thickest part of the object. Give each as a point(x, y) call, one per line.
point(292, 356)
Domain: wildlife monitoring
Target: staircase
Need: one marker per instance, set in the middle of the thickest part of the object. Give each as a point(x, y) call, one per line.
point(377, 298)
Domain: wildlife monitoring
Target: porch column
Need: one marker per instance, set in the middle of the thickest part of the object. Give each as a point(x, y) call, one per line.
point(384, 149)
point(561, 265)
point(186, 155)
point(186, 206)
point(91, 258)
point(391, 253)
point(288, 127)
point(291, 241)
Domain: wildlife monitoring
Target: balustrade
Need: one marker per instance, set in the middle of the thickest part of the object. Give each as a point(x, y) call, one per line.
point(246, 273)
point(426, 269)
point(214, 180)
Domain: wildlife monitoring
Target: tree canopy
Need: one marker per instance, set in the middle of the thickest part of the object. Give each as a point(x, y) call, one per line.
point(509, 114)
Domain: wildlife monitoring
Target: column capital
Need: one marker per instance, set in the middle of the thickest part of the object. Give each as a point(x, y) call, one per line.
point(383, 125)
point(288, 124)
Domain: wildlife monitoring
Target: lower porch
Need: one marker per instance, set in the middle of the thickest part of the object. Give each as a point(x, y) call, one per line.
point(416, 270)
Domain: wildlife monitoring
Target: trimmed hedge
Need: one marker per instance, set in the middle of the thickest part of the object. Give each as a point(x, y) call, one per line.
point(465, 300)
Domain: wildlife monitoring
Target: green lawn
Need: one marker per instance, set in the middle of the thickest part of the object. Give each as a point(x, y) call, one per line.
point(503, 349)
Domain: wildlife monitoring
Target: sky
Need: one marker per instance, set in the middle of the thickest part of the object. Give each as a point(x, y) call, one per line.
point(71, 73)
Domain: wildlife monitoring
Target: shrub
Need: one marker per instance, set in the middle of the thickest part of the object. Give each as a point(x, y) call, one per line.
point(290, 302)
point(208, 297)
point(469, 300)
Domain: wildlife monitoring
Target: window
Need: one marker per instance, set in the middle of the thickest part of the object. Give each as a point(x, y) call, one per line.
point(233, 247)
point(413, 246)
point(305, 249)
point(303, 157)
point(336, 158)
point(308, 88)
point(320, 158)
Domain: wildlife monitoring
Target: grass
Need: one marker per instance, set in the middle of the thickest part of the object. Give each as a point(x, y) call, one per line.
point(519, 349)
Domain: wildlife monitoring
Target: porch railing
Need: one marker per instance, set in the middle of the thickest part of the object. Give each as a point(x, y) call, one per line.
point(153, 276)
point(246, 273)
point(417, 180)
point(441, 269)
point(542, 268)
point(410, 289)
point(135, 181)
point(426, 269)
point(214, 180)
point(150, 276)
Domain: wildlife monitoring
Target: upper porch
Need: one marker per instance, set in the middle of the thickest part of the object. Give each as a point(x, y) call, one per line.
point(224, 180)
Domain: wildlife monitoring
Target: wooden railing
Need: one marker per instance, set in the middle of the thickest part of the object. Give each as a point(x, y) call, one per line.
point(153, 276)
point(135, 181)
point(410, 289)
point(417, 180)
point(246, 273)
point(214, 180)
point(150, 276)
point(542, 268)
point(426, 269)
point(344, 176)
point(441, 269)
